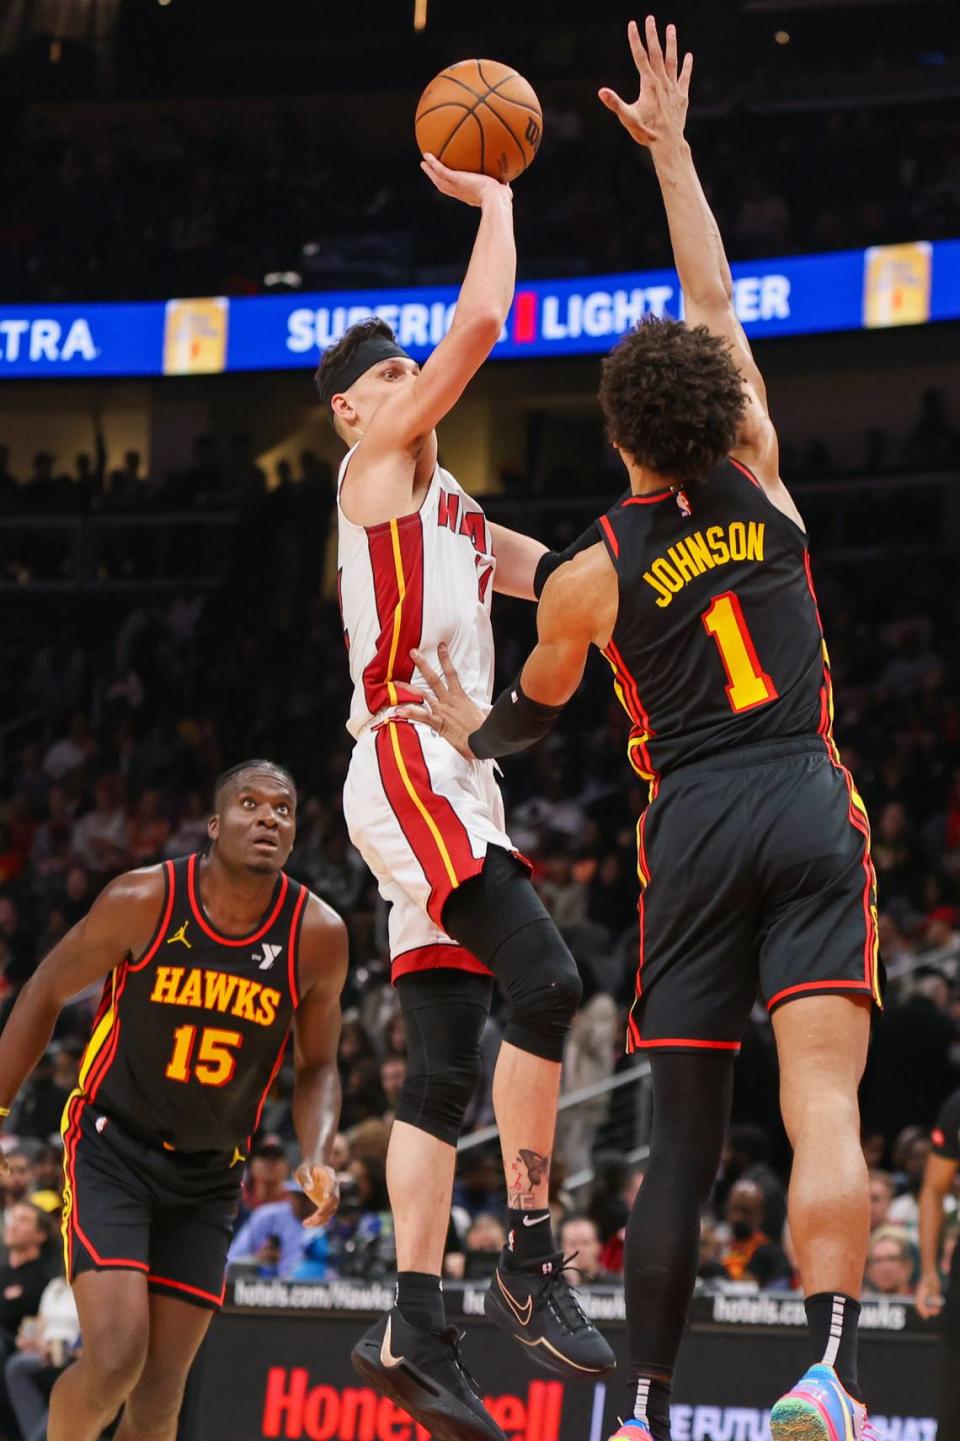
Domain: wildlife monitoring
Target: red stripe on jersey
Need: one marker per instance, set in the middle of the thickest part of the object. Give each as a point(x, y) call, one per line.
point(611, 535)
point(232, 940)
point(170, 885)
point(267, 1088)
point(434, 832)
point(745, 470)
point(108, 1055)
point(292, 947)
point(630, 696)
point(396, 563)
point(649, 499)
point(436, 957)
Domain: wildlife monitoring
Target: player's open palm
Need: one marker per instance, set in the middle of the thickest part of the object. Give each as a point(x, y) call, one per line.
point(448, 710)
point(321, 1185)
point(660, 110)
point(461, 184)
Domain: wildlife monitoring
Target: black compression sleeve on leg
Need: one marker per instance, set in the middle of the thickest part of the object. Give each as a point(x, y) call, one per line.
point(513, 723)
point(500, 919)
point(691, 1106)
point(445, 1011)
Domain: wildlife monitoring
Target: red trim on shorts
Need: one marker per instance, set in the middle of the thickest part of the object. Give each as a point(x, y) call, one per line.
point(292, 946)
point(863, 987)
point(73, 1219)
point(419, 836)
point(379, 678)
point(190, 1290)
point(436, 957)
point(170, 885)
point(611, 535)
point(745, 470)
point(232, 940)
point(691, 1044)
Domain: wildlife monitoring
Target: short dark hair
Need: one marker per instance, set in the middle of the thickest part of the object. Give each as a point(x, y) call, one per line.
point(673, 398)
point(253, 765)
point(343, 350)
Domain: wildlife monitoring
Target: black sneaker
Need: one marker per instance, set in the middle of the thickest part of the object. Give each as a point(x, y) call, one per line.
point(422, 1372)
point(538, 1307)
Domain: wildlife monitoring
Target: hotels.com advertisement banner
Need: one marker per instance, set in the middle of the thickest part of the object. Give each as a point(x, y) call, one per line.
point(279, 1369)
point(884, 286)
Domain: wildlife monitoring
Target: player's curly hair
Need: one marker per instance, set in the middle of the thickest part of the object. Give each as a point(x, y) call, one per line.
point(672, 398)
point(336, 355)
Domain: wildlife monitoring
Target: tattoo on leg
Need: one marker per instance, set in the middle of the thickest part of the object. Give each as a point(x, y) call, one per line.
point(537, 1167)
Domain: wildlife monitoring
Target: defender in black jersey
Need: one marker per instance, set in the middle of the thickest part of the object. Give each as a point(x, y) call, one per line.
point(753, 855)
point(207, 961)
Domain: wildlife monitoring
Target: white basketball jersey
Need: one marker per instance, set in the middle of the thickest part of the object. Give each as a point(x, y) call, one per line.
point(414, 582)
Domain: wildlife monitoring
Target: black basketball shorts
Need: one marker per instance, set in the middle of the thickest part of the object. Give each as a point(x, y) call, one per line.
point(132, 1206)
point(756, 881)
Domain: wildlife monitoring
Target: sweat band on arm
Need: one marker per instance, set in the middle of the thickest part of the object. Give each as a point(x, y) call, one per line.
point(514, 722)
point(551, 560)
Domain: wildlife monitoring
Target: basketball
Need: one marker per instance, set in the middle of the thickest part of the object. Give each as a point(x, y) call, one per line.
point(480, 116)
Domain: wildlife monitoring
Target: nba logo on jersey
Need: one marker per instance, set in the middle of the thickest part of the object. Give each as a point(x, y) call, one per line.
point(684, 504)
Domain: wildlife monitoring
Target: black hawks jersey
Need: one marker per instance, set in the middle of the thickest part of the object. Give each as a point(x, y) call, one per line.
point(188, 1037)
point(718, 641)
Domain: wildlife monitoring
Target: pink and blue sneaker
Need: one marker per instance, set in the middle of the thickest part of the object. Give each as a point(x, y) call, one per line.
point(633, 1431)
point(819, 1409)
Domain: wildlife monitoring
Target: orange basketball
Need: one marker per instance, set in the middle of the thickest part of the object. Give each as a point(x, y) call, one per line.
point(481, 116)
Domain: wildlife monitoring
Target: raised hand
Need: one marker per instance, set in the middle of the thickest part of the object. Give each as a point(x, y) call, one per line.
point(448, 710)
point(660, 110)
point(463, 185)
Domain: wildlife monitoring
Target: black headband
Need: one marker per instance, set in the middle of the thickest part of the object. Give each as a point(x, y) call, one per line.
point(369, 352)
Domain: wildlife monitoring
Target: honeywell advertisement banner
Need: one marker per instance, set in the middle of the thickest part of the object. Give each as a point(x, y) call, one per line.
point(887, 285)
point(272, 1372)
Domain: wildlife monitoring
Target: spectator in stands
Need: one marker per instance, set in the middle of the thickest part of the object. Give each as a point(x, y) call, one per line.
point(890, 1263)
point(482, 1246)
point(147, 830)
point(932, 444)
point(881, 1196)
point(580, 1240)
point(191, 832)
point(72, 751)
point(99, 839)
point(710, 1265)
point(267, 1173)
point(17, 1182)
point(750, 1254)
point(746, 1157)
point(393, 1070)
point(44, 1349)
point(274, 1236)
point(904, 1209)
point(23, 1276)
point(40, 1106)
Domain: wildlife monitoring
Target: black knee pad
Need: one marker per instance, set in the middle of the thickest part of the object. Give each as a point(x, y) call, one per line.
point(499, 917)
point(445, 1013)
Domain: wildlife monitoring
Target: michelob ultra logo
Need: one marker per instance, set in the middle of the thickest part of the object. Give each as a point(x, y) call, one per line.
point(896, 284)
point(195, 336)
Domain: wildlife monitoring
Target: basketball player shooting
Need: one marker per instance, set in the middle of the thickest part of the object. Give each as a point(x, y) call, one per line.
point(754, 855)
point(206, 961)
point(418, 563)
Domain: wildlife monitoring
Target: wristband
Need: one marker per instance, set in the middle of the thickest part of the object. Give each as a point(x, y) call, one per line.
point(514, 723)
point(4, 1112)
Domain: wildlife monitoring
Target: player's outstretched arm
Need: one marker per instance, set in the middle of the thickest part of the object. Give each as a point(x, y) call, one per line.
point(119, 924)
point(485, 298)
point(316, 1091)
point(578, 609)
point(656, 119)
point(518, 557)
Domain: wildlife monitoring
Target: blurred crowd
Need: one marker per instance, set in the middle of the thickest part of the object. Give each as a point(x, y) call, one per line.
point(124, 713)
point(182, 211)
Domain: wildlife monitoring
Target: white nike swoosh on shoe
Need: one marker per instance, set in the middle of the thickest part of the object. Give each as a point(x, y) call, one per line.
point(535, 1221)
point(386, 1354)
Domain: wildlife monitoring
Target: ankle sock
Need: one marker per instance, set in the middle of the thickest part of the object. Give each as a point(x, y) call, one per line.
point(530, 1238)
point(420, 1300)
point(833, 1319)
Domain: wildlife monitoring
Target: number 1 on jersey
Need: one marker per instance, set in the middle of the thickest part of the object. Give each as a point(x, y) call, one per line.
point(748, 684)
